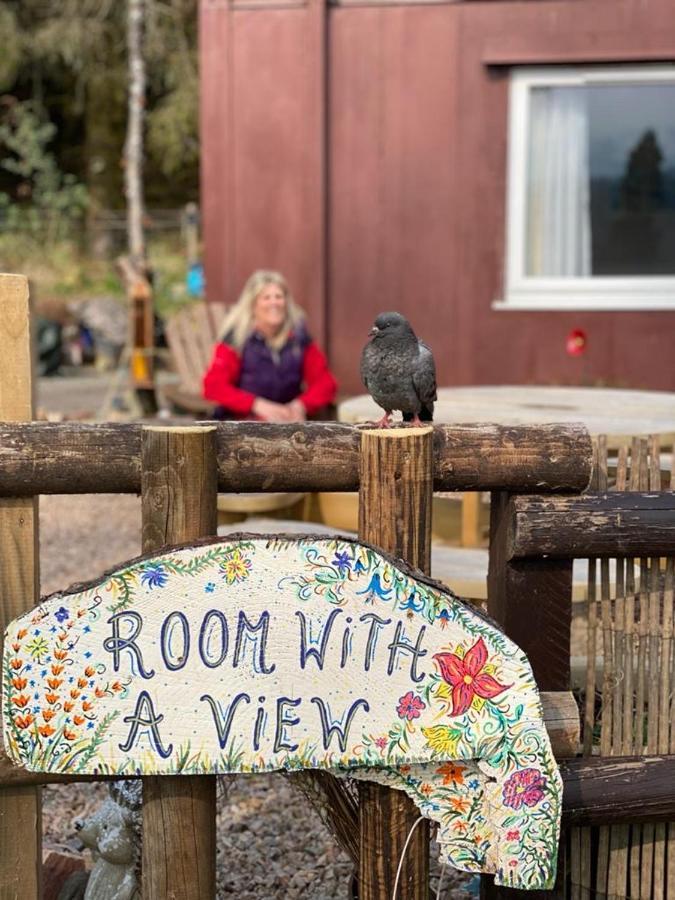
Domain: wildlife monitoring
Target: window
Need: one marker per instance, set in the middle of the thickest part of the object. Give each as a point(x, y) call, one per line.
point(591, 189)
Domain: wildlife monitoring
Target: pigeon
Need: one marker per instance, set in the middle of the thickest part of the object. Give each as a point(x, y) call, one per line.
point(398, 370)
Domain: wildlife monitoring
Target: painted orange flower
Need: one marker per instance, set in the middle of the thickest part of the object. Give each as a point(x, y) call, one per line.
point(19, 683)
point(78, 720)
point(99, 692)
point(54, 683)
point(60, 654)
point(63, 636)
point(69, 735)
point(21, 700)
point(67, 706)
point(51, 698)
point(86, 705)
point(467, 678)
point(459, 804)
point(89, 671)
point(16, 647)
point(459, 826)
point(117, 686)
point(80, 613)
point(426, 789)
point(22, 633)
point(16, 664)
point(56, 670)
point(74, 694)
point(45, 730)
point(452, 773)
point(81, 682)
point(48, 714)
point(23, 721)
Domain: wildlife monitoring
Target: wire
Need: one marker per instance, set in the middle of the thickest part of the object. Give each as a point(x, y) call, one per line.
point(400, 862)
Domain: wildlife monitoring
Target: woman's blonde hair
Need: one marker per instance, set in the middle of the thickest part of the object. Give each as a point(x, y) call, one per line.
point(238, 322)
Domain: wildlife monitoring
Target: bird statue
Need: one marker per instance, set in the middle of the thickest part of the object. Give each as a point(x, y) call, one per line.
point(398, 370)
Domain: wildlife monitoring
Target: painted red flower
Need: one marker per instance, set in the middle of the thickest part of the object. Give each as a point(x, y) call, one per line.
point(467, 678)
point(524, 787)
point(410, 706)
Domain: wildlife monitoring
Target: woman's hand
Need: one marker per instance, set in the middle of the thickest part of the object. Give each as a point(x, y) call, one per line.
point(296, 410)
point(269, 411)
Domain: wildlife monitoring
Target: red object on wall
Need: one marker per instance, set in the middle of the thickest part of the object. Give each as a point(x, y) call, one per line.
point(576, 342)
point(361, 148)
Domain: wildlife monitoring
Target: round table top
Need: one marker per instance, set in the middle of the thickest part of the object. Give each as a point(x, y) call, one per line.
point(602, 410)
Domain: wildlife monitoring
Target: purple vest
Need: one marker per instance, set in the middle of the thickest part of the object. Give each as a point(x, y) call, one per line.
point(273, 375)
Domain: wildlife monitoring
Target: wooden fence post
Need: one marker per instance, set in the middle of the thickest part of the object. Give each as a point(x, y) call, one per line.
point(532, 601)
point(395, 499)
point(20, 807)
point(179, 491)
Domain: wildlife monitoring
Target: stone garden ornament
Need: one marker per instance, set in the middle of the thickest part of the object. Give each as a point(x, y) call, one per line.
point(258, 653)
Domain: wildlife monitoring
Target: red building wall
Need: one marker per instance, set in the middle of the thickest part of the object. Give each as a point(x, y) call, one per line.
point(362, 148)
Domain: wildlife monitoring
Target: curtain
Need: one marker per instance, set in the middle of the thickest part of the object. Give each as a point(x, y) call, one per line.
point(558, 184)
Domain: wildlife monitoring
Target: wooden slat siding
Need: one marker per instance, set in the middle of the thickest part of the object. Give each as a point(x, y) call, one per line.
point(395, 503)
point(620, 833)
point(179, 813)
point(669, 724)
point(607, 877)
point(20, 807)
point(635, 833)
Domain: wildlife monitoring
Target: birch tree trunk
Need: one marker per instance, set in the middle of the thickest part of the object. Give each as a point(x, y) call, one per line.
point(133, 147)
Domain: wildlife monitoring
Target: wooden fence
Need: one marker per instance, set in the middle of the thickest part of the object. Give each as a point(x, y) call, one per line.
point(539, 523)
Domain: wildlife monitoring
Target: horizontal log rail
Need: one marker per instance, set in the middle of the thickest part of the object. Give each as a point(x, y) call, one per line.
point(618, 524)
point(78, 458)
point(597, 790)
point(618, 790)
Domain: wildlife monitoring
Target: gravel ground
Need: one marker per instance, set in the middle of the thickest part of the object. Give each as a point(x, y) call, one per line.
point(271, 843)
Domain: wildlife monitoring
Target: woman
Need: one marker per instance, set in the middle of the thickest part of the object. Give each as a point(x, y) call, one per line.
point(267, 366)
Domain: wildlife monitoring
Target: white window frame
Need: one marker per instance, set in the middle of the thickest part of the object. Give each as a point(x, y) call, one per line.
point(523, 292)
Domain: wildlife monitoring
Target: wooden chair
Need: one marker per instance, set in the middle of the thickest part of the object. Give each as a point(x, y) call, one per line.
point(191, 334)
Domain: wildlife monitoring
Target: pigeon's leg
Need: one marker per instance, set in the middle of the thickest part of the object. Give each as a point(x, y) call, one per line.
point(384, 422)
point(417, 422)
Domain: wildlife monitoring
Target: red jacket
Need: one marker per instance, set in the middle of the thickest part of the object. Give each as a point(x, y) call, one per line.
point(220, 383)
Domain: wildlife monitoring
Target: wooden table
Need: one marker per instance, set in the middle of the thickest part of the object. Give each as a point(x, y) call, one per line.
point(618, 414)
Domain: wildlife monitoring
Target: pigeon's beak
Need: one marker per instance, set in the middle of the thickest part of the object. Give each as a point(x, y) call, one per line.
point(373, 331)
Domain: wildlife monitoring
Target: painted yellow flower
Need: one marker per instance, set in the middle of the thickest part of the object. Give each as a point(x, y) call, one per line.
point(442, 739)
point(236, 568)
point(38, 648)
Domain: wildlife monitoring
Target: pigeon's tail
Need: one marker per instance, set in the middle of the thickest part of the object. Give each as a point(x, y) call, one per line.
point(426, 414)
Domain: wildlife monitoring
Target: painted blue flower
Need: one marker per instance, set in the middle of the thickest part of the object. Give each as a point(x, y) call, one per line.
point(444, 617)
point(210, 587)
point(88, 654)
point(359, 567)
point(474, 784)
point(43, 673)
point(87, 629)
point(53, 629)
point(62, 614)
point(375, 589)
point(342, 562)
point(90, 724)
point(36, 709)
point(154, 576)
point(410, 603)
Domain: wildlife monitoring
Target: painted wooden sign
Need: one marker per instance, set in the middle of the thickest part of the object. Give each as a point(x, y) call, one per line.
point(258, 653)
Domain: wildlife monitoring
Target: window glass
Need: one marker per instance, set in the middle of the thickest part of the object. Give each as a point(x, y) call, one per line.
point(601, 180)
